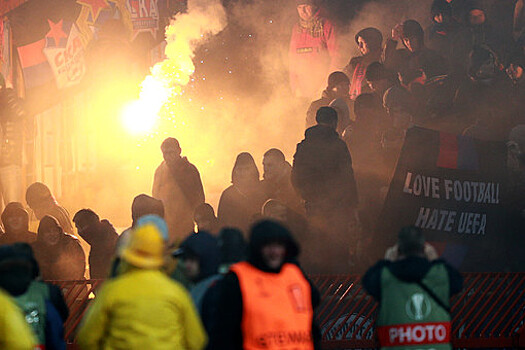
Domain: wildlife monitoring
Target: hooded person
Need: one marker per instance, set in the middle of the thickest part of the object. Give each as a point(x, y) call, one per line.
point(42, 202)
point(441, 35)
point(413, 292)
point(200, 258)
point(142, 308)
point(245, 197)
point(205, 219)
point(59, 254)
point(15, 279)
point(313, 51)
point(338, 87)
point(177, 183)
point(16, 224)
point(43, 304)
point(102, 238)
point(254, 302)
point(369, 42)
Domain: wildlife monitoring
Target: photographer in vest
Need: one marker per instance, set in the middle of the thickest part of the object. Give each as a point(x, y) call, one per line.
point(267, 302)
point(414, 295)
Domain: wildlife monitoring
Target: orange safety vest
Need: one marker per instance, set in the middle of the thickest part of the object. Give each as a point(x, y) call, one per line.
point(277, 308)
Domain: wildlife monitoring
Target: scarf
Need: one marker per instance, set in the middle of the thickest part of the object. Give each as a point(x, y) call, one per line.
point(314, 26)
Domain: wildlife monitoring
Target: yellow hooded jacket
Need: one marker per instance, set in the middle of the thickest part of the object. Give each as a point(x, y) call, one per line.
point(15, 333)
point(142, 309)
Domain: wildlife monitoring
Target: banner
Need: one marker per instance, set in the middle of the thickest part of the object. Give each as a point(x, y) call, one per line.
point(6, 63)
point(65, 54)
point(144, 16)
point(453, 188)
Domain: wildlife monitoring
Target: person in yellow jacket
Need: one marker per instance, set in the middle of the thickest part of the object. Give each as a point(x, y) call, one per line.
point(142, 308)
point(15, 333)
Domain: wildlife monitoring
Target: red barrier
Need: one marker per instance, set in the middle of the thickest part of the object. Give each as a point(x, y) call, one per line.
point(489, 313)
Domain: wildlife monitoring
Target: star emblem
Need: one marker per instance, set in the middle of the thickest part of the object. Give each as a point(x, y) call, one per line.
point(95, 6)
point(56, 32)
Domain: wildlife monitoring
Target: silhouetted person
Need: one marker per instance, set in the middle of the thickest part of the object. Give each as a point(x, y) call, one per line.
point(58, 254)
point(178, 184)
point(441, 35)
point(16, 224)
point(244, 198)
point(277, 182)
point(379, 79)
point(369, 42)
point(322, 174)
point(206, 220)
point(102, 238)
point(42, 202)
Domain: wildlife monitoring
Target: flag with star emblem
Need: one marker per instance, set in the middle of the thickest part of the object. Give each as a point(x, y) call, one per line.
point(65, 53)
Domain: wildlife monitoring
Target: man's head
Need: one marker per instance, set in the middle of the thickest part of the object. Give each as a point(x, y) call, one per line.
point(49, 230)
point(367, 106)
point(275, 210)
point(369, 41)
point(326, 116)
point(339, 84)
point(200, 256)
point(15, 218)
point(271, 245)
point(39, 198)
point(85, 220)
point(476, 15)
point(274, 165)
point(143, 205)
point(204, 217)
point(306, 9)
point(245, 170)
point(171, 150)
point(378, 78)
point(411, 242)
point(413, 35)
point(441, 11)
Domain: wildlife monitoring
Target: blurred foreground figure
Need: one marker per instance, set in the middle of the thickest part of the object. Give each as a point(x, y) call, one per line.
point(313, 50)
point(205, 219)
point(266, 302)
point(102, 238)
point(59, 254)
point(16, 224)
point(142, 308)
point(244, 198)
point(15, 333)
point(42, 202)
point(414, 295)
point(178, 185)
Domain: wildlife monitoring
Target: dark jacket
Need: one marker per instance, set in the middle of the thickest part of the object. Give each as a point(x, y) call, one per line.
point(237, 209)
point(411, 269)
point(227, 333)
point(103, 240)
point(322, 169)
point(62, 261)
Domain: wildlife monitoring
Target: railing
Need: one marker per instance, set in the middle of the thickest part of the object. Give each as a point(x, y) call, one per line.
point(488, 313)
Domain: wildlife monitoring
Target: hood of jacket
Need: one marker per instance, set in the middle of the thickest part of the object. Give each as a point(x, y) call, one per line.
point(320, 133)
point(206, 248)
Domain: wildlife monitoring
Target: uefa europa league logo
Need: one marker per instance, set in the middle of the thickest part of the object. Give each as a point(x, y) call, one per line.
point(418, 307)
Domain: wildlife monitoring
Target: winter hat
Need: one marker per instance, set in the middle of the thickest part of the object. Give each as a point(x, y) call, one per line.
point(336, 78)
point(205, 248)
point(305, 2)
point(372, 36)
point(411, 241)
point(156, 221)
point(266, 232)
point(441, 7)
point(412, 29)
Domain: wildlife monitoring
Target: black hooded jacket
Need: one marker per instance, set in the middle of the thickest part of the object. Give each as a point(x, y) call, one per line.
point(322, 169)
point(228, 332)
point(410, 269)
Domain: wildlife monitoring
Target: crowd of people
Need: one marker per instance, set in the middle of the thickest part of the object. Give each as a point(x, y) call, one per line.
point(184, 276)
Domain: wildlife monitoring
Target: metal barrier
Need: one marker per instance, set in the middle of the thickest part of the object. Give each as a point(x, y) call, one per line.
point(488, 313)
